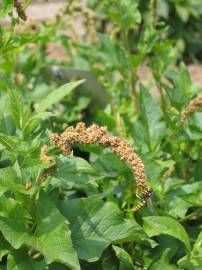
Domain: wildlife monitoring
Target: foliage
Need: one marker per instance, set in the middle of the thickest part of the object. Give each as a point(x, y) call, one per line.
point(77, 211)
point(183, 19)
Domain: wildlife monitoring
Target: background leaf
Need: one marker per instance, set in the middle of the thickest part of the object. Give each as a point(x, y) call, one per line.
point(56, 95)
point(156, 225)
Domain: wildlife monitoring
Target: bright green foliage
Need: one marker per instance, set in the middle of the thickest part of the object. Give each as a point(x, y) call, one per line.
point(75, 211)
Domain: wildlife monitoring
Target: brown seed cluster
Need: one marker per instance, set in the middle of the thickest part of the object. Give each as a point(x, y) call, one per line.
point(191, 108)
point(96, 134)
point(44, 154)
point(20, 11)
point(78, 9)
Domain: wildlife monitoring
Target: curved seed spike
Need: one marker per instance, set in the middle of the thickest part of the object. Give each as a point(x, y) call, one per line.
point(96, 134)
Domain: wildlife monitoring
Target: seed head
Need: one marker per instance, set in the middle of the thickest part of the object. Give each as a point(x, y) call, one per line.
point(191, 108)
point(96, 134)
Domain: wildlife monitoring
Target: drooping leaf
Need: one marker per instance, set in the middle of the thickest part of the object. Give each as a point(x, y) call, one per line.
point(56, 95)
point(156, 225)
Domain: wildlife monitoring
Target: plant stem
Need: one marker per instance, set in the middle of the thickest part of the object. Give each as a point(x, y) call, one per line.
point(37, 185)
point(131, 76)
point(154, 12)
point(196, 214)
point(163, 101)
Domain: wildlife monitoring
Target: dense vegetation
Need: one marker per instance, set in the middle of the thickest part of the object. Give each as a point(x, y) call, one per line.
point(73, 195)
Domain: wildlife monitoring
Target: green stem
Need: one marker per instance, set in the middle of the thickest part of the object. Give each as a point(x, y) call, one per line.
point(163, 101)
point(154, 12)
point(196, 214)
point(131, 76)
point(39, 180)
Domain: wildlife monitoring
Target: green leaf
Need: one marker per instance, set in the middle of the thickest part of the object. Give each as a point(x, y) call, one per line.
point(19, 260)
point(163, 262)
point(151, 120)
point(51, 237)
point(196, 254)
point(126, 262)
point(111, 165)
point(56, 95)
point(9, 142)
point(14, 231)
point(34, 122)
point(178, 207)
point(190, 193)
point(182, 90)
point(6, 7)
point(4, 247)
point(95, 225)
point(156, 225)
point(16, 107)
point(74, 172)
point(7, 125)
point(9, 182)
point(125, 13)
point(183, 12)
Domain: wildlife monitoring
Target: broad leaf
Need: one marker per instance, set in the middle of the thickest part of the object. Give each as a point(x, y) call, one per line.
point(190, 193)
point(51, 237)
point(74, 172)
point(156, 225)
point(95, 225)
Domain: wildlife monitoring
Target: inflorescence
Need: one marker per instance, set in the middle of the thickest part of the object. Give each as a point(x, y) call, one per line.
point(96, 134)
point(191, 108)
